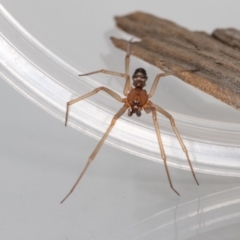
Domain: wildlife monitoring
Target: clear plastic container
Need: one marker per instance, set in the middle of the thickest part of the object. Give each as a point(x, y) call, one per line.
point(210, 129)
point(214, 216)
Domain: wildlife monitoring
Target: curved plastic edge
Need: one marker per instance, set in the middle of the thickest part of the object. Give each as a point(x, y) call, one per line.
point(93, 119)
point(206, 216)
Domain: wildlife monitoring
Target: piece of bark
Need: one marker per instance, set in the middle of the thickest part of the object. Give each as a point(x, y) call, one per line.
point(229, 36)
point(172, 48)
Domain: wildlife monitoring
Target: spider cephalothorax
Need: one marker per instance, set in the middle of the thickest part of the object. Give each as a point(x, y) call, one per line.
point(137, 99)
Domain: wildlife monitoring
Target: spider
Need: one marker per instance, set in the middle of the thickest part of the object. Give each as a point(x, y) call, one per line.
point(136, 100)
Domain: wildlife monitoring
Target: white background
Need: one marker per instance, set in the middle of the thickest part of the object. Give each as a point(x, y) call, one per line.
point(40, 159)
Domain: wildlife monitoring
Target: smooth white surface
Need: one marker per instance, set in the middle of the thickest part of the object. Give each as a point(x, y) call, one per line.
point(121, 196)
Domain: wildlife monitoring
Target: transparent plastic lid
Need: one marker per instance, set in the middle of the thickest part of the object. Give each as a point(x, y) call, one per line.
point(209, 128)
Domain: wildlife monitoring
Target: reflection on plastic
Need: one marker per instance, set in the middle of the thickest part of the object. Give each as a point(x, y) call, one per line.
point(216, 216)
point(213, 146)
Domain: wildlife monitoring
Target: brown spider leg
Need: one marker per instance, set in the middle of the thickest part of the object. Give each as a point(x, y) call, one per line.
point(165, 113)
point(157, 78)
point(107, 90)
point(94, 153)
point(127, 86)
point(155, 83)
point(126, 76)
point(154, 116)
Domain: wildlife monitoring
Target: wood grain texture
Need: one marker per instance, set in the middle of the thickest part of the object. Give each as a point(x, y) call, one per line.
point(172, 48)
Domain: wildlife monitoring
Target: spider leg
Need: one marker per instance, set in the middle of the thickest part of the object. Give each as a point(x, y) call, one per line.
point(157, 78)
point(154, 116)
point(127, 58)
point(127, 86)
point(107, 90)
point(165, 113)
point(94, 153)
point(124, 75)
point(155, 83)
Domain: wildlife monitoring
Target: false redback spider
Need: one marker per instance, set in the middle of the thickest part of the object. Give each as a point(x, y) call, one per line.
point(136, 100)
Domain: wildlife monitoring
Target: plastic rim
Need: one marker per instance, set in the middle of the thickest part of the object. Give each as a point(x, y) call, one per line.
point(41, 76)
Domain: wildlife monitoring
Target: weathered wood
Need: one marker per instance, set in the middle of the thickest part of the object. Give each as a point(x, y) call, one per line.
point(172, 48)
point(229, 36)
